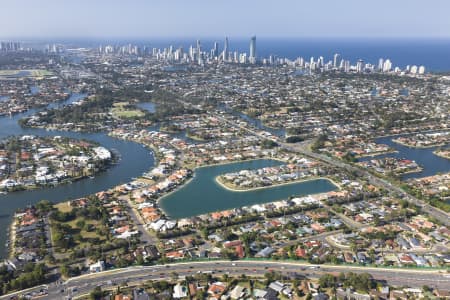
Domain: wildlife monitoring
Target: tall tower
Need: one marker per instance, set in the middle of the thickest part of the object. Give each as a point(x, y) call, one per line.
point(199, 47)
point(252, 56)
point(380, 64)
point(216, 49)
point(199, 52)
point(336, 60)
point(225, 50)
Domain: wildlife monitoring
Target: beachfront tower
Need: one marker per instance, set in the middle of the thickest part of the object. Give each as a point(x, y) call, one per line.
point(252, 56)
point(225, 50)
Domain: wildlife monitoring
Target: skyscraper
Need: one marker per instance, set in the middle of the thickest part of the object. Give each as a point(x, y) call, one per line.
point(216, 49)
point(252, 56)
point(380, 64)
point(387, 65)
point(225, 50)
point(199, 52)
point(199, 47)
point(360, 66)
point(336, 60)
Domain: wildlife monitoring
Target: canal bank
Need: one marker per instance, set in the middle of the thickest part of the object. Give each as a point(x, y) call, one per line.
point(202, 194)
point(135, 160)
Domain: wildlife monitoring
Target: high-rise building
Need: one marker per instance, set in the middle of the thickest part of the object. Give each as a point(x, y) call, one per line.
point(336, 57)
point(191, 52)
point(380, 64)
point(347, 66)
point(199, 46)
point(421, 70)
point(252, 56)
point(320, 62)
point(216, 49)
point(225, 50)
point(360, 66)
point(387, 65)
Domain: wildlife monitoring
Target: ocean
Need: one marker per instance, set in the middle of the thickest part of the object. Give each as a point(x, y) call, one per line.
point(434, 54)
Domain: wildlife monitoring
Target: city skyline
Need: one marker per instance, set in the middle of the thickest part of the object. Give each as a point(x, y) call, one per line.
point(149, 19)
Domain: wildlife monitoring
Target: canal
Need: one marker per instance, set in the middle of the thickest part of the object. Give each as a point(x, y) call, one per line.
point(431, 163)
point(135, 160)
point(203, 194)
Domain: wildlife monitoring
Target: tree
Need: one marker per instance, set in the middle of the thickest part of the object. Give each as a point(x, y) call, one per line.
point(225, 277)
point(327, 281)
point(426, 288)
point(204, 232)
point(294, 139)
point(349, 157)
point(96, 294)
point(64, 270)
point(44, 206)
point(81, 224)
point(268, 144)
point(174, 275)
point(139, 259)
point(320, 142)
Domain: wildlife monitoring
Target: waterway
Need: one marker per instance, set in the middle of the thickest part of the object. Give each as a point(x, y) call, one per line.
point(431, 163)
point(148, 106)
point(203, 194)
point(257, 123)
point(135, 160)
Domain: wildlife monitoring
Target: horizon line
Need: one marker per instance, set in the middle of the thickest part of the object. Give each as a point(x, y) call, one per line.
point(210, 37)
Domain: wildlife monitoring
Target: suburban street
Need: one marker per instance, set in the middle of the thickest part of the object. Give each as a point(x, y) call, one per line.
point(145, 236)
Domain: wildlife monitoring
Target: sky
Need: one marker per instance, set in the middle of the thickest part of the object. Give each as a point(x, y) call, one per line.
point(234, 18)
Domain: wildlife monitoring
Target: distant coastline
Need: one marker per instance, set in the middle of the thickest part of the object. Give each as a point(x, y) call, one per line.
point(430, 52)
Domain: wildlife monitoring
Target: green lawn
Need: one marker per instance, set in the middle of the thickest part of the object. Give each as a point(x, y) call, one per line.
point(86, 235)
point(63, 206)
point(120, 111)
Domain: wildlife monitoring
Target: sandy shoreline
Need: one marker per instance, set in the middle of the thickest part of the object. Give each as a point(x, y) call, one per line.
point(221, 184)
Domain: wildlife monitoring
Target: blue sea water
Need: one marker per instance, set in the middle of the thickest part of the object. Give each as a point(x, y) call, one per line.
point(434, 54)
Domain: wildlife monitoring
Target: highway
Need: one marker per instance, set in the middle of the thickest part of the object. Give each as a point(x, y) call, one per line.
point(139, 274)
